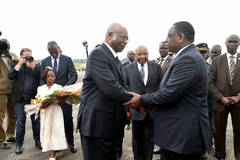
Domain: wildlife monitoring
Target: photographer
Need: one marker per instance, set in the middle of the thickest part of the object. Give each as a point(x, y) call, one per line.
point(26, 75)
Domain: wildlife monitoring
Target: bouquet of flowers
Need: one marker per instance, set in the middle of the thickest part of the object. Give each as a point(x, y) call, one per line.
point(70, 94)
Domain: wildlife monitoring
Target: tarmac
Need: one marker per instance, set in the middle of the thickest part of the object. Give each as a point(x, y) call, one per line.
point(31, 152)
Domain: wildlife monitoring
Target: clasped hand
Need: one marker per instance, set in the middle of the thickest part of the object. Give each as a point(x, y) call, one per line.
point(135, 103)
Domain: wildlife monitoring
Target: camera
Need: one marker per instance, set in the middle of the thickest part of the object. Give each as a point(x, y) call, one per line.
point(29, 58)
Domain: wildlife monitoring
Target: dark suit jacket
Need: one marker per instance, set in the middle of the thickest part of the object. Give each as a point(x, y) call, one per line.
point(166, 64)
point(135, 83)
point(101, 113)
point(181, 120)
point(18, 77)
point(126, 63)
point(219, 81)
point(66, 75)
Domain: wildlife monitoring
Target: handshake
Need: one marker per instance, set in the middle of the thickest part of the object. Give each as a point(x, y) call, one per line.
point(135, 103)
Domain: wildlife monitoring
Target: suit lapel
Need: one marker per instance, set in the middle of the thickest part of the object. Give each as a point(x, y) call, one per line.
point(136, 72)
point(237, 64)
point(224, 63)
point(150, 72)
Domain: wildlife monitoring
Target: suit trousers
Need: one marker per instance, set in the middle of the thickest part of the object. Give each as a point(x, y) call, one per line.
point(221, 120)
point(170, 155)
point(142, 138)
point(68, 122)
point(98, 148)
point(7, 107)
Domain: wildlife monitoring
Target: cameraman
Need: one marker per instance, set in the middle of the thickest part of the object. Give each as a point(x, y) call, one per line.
point(26, 75)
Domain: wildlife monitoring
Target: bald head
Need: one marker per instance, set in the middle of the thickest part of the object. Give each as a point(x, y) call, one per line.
point(116, 37)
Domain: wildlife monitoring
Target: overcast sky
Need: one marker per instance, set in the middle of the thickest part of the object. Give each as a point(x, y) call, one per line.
point(33, 23)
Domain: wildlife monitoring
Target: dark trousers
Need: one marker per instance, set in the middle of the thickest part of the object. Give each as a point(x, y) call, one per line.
point(142, 138)
point(119, 147)
point(169, 155)
point(68, 122)
point(98, 148)
point(221, 119)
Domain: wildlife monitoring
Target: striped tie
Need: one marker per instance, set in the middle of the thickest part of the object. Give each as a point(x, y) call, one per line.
point(232, 68)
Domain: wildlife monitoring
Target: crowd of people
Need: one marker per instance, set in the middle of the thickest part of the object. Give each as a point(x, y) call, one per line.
point(180, 102)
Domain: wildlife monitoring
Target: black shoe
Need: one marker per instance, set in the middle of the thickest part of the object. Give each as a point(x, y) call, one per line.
point(204, 157)
point(158, 159)
point(73, 148)
point(11, 140)
point(157, 151)
point(5, 146)
point(38, 144)
point(18, 149)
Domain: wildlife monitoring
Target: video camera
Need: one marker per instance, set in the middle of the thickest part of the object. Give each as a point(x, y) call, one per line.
point(29, 58)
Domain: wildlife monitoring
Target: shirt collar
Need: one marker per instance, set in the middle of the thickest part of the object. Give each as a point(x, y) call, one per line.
point(181, 50)
point(228, 55)
point(113, 52)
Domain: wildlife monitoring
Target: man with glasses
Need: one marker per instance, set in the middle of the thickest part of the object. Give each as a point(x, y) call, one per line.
point(224, 75)
point(181, 123)
point(101, 116)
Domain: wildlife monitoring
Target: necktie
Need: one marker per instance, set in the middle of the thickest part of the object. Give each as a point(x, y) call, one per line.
point(55, 66)
point(142, 73)
point(161, 62)
point(232, 67)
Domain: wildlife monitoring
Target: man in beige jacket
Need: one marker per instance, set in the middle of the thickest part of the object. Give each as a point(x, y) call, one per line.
point(7, 105)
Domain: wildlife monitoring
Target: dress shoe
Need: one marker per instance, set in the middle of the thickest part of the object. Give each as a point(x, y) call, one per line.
point(5, 146)
point(157, 158)
point(127, 126)
point(18, 149)
point(157, 151)
point(11, 140)
point(204, 157)
point(38, 144)
point(73, 148)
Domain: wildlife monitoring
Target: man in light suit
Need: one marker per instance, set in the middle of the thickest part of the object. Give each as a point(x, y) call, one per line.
point(165, 60)
point(142, 124)
point(101, 116)
point(65, 75)
point(225, 89)
point(181, 126)
point(7, 105)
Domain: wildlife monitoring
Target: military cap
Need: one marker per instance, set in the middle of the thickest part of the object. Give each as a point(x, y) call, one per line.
point(202, 46)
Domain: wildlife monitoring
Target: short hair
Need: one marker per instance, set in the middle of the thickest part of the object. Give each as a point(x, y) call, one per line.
point(25, 50)
point(45, 72)
point(52, 43)
point(186, 28)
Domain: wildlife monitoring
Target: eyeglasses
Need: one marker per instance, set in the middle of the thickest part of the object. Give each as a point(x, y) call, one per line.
point(234, 42)
point(124, 38)
point(171, 35)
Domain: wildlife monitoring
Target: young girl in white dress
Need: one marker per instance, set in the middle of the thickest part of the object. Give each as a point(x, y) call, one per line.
point(52, 132)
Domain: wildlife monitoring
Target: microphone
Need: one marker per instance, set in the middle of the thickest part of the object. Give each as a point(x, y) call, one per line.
point(0, 33)
point(85, 44)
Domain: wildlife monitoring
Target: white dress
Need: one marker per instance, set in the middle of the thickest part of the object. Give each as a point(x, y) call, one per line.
point(52, 134)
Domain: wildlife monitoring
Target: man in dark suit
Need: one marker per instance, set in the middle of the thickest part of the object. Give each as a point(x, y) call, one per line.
point(131, 58)
point(65, 75)
point(181, 123)
point(142, 124)
point(165, 60)
point(101, 116)
point(26, 76)
point(224, 75)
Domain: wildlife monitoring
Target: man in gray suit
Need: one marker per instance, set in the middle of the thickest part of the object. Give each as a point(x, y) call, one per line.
point(101, 116)
point(142, 124)
point(65, 75)
point(181, 126)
